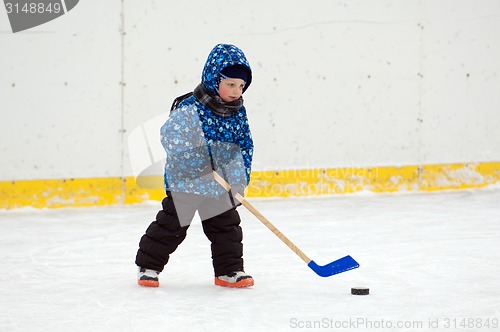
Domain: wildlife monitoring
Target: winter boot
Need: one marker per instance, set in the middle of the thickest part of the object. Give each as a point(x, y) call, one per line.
point(236, 279)
point(148, 278)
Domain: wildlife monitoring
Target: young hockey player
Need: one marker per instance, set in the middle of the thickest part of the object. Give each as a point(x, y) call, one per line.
point(206, 132)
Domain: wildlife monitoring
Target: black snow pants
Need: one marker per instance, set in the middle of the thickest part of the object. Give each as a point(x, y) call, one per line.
point(167, 232)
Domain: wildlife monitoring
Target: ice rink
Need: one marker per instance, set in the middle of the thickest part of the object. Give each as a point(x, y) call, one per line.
point(431, 261)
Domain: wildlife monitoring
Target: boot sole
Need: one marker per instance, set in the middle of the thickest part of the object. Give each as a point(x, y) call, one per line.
point(148, 283)
point(248, 282)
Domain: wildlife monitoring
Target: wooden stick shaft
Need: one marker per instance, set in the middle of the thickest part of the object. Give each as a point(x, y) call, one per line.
point(273, 228)
point(264, 220)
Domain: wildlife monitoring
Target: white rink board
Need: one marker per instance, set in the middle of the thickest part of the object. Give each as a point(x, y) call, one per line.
point(339, 84)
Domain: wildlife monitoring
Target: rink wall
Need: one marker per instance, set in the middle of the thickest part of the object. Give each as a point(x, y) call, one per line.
point(283, 183)
point(383, 96)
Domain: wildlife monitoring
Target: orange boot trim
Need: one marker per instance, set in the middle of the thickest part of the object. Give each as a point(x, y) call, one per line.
point(148, 283)
point(248, 282)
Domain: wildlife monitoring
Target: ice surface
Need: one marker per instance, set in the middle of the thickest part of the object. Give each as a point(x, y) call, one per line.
point(425, 257)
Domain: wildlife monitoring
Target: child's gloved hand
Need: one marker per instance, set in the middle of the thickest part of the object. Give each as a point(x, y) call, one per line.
point(232, 195)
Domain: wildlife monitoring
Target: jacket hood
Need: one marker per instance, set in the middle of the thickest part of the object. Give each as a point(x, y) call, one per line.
point(222, 56)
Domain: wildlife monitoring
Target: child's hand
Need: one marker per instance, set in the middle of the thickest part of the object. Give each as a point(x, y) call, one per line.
point(232, 195)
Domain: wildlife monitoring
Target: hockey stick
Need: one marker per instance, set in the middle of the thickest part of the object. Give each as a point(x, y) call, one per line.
point(340, 265)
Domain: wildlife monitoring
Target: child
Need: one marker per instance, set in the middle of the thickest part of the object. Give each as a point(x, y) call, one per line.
point(206, 132)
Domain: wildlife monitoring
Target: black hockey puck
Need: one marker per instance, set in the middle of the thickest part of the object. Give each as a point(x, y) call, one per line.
point(360, 291)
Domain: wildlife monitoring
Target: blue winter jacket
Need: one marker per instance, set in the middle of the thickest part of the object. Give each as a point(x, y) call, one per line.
point(196, 139)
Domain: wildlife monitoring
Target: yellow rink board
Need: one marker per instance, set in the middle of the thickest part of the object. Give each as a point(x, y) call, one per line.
point(56, 193)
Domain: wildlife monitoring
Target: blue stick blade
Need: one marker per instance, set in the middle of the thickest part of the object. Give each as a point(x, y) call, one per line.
point(340, 265)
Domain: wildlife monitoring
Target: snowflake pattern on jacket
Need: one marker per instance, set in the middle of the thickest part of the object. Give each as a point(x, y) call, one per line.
point(196, 139)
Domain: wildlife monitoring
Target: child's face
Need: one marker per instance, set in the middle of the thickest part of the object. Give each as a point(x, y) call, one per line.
point(231, 89)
